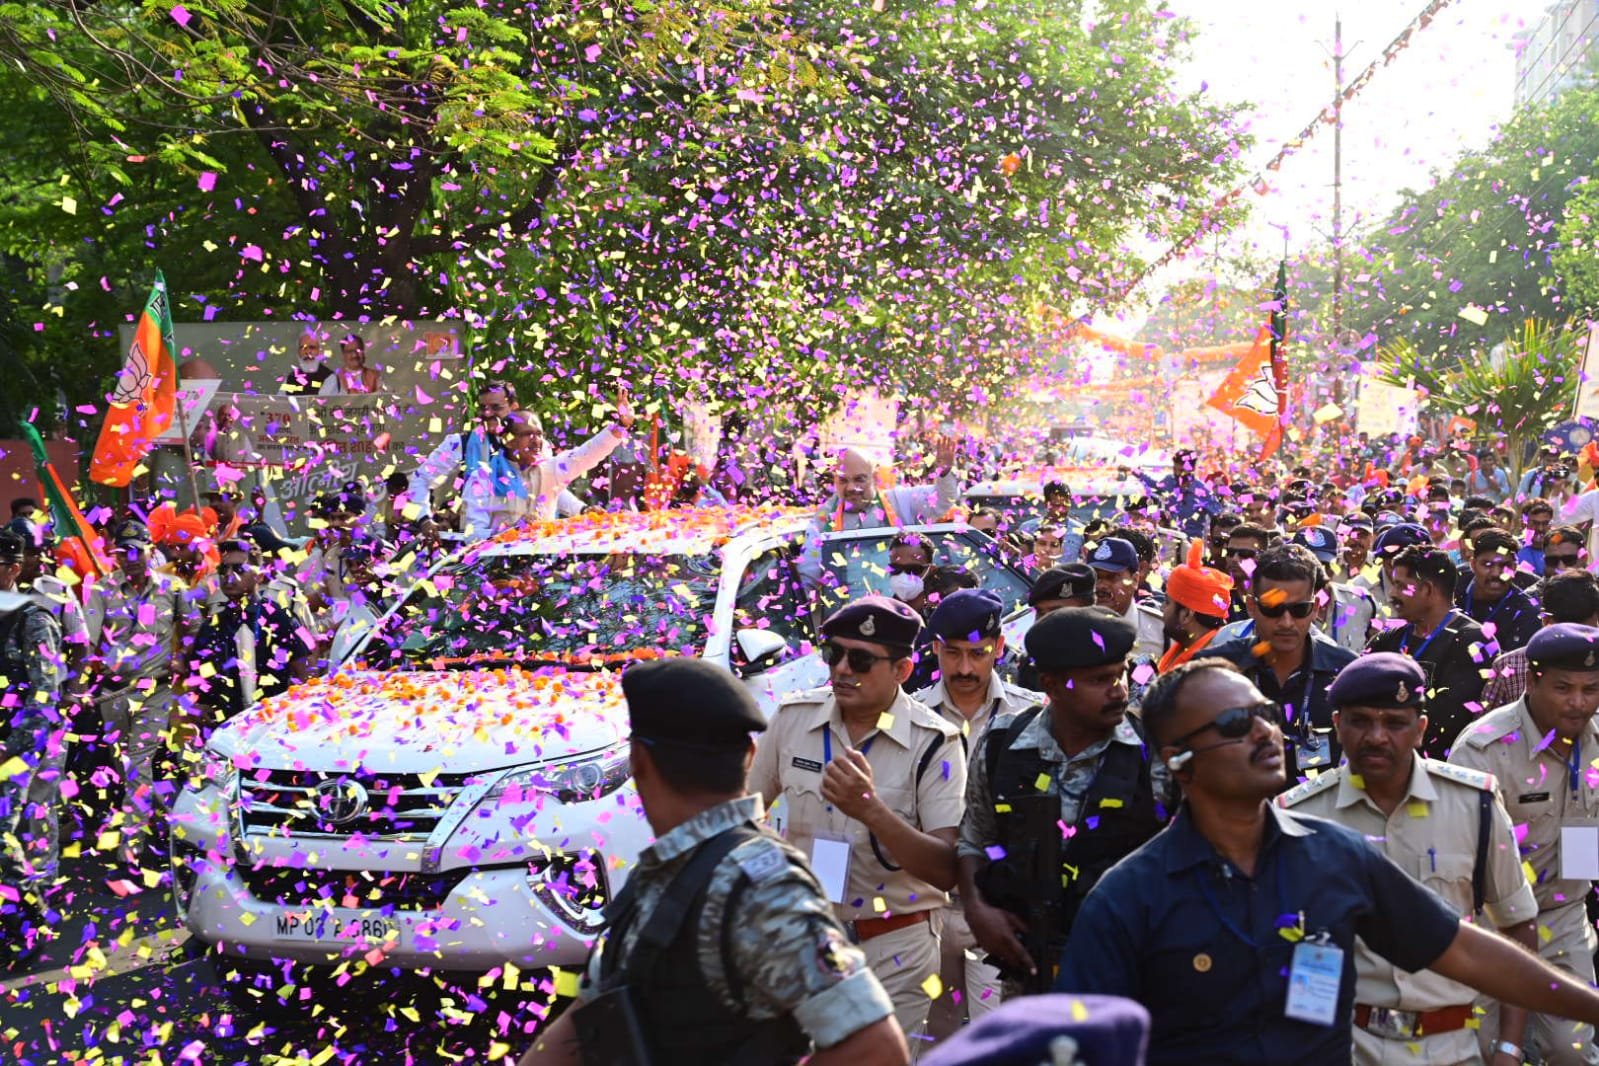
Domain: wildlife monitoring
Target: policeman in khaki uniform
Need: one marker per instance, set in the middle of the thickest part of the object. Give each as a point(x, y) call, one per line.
point(1437, 822)
point(1542, 750)
point(752, 968)
point(969, 694)
point(872, 785)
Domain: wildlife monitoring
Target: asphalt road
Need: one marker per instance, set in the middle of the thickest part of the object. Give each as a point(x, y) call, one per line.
point(121, 983)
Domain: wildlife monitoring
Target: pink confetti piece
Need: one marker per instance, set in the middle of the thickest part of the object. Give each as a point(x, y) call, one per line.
point(208, 181)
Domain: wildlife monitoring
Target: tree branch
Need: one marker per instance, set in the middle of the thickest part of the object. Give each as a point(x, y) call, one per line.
point(517, 221)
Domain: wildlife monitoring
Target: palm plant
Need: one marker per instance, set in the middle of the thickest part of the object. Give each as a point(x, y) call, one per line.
point(1523, 389)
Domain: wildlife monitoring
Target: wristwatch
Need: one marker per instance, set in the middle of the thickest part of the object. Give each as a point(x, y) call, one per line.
point(1505, 1047)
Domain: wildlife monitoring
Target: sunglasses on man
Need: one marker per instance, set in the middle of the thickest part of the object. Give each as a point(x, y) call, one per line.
point(861, 661)
point(1553, 561)
point(1235, 722)
point(1299, 609)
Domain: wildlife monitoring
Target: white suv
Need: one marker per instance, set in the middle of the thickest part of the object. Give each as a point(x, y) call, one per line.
point(457, 795)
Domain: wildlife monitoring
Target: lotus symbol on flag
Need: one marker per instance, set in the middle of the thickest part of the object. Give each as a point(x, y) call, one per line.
point(1261, 396)
point(134, 380)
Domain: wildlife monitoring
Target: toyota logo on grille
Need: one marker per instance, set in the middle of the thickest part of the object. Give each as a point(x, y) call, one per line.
point(341, 801)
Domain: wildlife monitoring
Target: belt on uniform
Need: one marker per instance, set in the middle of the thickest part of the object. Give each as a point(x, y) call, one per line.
point(1410, 1024)
point(871, 928)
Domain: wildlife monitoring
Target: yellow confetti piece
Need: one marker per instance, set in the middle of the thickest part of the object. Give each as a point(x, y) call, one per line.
point(1042, 782)
point(885, 721)
point(1079, 1011)
point(246, 918)
point(1110, 804)
point(509, 980)
point(107, 841)
point(69, 205)
point(1356, 781)
point(498, 1051)
point(1002, 808)
point(933, 986)
point(566, 982)
point(879, 904)
point(12, 767)
point(1474, 314)
point(1416, 809)
point(1293, 936)
point(1545, 934)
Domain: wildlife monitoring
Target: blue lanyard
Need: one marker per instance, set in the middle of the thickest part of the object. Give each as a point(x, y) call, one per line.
point(1229, 924)
point(1430, 636)
point(1576, 767)
point(827, 745)
point(1471, 600)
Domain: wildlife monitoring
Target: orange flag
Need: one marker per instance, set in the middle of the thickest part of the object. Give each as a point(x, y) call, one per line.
point(141, 409)
point(1249, 394)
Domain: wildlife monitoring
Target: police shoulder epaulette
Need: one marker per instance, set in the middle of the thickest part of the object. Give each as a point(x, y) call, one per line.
point(1465, 775)
point(1491, 727)
point(1150, 609)
point(809, 695)
point(927, 718)
point(1306, 789)
point(1024, 696)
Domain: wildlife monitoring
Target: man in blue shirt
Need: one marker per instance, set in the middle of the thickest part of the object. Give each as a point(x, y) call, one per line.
point(1187, 501)
point(1235, 926)
point(1508, 616)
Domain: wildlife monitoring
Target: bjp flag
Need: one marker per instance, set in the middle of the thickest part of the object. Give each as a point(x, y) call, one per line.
point(77, 544)
point(1256, 392)
point(146, 393)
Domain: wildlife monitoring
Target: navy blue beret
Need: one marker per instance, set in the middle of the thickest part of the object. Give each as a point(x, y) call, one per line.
point(967, 614)
point(878, 619)
point(1080, 1030)
point(1069, 581)
point(1322, 542)
point(1382, 679)
point(1404, 535)
point(1565, 646)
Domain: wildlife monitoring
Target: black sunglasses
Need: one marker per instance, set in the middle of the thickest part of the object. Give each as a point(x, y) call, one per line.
point(1242, 553)
point(861, 661)
point(1235, 722)
point(918, 569)
point(1558, 562)
point(1299, 609)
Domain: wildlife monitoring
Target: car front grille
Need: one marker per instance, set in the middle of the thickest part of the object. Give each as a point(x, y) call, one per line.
point(398, 806)
point(360, 889)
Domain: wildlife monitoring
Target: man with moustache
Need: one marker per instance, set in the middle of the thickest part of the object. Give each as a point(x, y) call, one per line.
point(1115, 563)
point(1081, 746)
point(1236, 926)
point(1445, 826)
point(1286, 656)
point(967, 641)
point(873, 786)
point(1492, 598)
point(1540, 749)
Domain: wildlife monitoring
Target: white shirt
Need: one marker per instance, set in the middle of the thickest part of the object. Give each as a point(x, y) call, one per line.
point(487, 513)
point(1580, 509)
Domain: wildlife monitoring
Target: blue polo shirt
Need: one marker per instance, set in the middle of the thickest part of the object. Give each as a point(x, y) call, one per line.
point(1182, 931)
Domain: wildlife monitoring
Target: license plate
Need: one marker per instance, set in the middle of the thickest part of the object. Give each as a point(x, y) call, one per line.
point(321, 927)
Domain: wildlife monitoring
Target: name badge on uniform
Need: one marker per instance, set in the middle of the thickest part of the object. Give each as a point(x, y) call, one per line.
point(1579, 851)
point(830, 864)
point(1313, 981)
point(802, 763)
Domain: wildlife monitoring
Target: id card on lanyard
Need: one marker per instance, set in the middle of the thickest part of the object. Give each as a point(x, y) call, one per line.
point(830, 857)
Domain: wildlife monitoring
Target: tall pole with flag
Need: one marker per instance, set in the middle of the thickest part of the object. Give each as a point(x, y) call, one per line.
point(145, 401)
point(1278, 324)
point(79, 544)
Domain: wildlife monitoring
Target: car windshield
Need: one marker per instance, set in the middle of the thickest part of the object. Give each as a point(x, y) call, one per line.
point(576, 608)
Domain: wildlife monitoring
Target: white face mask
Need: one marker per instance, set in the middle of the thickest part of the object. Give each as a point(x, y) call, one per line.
point(905, 587)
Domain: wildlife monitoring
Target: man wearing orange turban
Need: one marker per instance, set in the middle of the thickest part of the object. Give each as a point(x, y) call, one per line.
point(1197, 601)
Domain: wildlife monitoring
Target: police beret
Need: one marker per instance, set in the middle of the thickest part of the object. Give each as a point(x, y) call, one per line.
point(877, 619)
point(967, 614)
point(1357, 520)
point(1077, 637)
point(1565, 646)
point(689, 702)
point(1321, 541)
point(1030, 1030)
point(1113, 554)
point(1404, 535)
point(131, 532)
point(11, 548)
point(1381, 679)
point(1070, 581)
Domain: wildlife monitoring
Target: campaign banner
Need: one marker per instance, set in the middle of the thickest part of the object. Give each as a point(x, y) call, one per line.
point(1588, 380)
point(1383, 408)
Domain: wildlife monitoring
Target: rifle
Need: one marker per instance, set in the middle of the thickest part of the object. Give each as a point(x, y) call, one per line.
point(1042, 896)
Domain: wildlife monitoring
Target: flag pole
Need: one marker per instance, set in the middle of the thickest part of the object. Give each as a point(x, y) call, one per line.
point(177, 402)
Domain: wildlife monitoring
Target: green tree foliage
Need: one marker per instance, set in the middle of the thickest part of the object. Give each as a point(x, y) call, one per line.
point(1487, 236)
point(746, 199)
point(1525, 386)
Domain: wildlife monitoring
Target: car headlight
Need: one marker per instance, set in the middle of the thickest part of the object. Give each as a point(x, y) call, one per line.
point(217, 770)
point(575, 781)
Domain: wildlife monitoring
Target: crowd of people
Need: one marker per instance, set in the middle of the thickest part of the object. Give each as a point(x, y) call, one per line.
point(1400, 642)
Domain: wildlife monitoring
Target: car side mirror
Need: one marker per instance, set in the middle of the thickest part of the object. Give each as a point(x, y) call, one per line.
point(759, 647)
